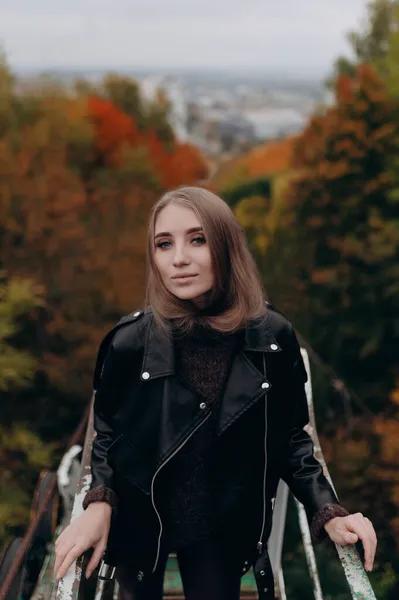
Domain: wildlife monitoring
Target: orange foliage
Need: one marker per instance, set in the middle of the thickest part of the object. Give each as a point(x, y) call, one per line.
point(271, 158)
point(188, 165)
point(183, 164)
point(113, 130)
point(361, 121)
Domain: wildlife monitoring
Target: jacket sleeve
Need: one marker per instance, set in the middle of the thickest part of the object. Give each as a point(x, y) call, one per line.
point(301, 470)
point(101, 487)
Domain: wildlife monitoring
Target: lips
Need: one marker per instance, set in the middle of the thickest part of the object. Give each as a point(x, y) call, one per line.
point(188, 276)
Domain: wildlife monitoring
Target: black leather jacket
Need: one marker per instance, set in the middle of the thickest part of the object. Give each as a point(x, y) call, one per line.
point(144, 415)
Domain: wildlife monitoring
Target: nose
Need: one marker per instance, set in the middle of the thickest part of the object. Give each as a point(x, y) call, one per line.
point(180, 257)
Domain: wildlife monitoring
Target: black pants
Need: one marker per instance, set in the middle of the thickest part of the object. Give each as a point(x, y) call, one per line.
point(208, 571)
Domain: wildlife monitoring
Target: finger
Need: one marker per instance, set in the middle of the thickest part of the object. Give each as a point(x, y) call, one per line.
point(359, 526)
point(70, 558)
point(60, 555)
point(95, 559)
point(61, 537)
point(63, 545)
point(349, 538)
point(373, 542)
point(62, 551)
point(368, 540)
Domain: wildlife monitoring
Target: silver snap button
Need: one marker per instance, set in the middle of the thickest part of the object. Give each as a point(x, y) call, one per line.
point(262, 573)
point(244, 569)
point(273, 346)
point(265, 385)
point(137, 313)
point(202, 405)
point(265, 589)
point(145, 375)
point(140, 576)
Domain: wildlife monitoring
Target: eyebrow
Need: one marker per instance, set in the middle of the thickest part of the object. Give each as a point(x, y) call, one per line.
point(166, 233)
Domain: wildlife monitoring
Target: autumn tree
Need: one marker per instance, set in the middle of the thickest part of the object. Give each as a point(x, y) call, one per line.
point(345, 219)
point(369, 45)
point(149, 115)
point(343, 199)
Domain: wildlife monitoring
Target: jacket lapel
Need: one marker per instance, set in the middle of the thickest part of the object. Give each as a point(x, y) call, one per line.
point(243, 389)
point(245, 385)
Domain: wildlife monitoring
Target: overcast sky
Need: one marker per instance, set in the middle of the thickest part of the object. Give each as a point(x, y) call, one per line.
point(263, 34)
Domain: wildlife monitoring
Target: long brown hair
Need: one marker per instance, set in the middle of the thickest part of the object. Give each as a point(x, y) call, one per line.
point(238, 293)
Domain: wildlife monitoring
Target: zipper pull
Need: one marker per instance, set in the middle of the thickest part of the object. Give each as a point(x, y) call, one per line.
point(259, 546)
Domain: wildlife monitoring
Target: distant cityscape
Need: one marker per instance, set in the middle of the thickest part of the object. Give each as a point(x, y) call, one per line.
point(225, 112)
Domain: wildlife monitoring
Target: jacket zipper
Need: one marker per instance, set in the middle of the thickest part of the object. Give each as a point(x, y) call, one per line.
point(260, 542)
point(153, 481)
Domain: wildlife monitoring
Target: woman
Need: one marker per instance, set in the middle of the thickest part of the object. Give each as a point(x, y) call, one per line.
point(200, 409)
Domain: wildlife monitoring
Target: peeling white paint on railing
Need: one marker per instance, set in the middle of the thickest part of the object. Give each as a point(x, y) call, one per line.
point(281, 585)
point(355, 573)
point(68, 586)
point(309, 550)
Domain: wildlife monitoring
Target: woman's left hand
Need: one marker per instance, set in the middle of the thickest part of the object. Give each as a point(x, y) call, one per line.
point(348, 530)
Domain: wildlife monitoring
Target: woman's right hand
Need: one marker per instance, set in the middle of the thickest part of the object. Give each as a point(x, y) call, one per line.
point(89, 530)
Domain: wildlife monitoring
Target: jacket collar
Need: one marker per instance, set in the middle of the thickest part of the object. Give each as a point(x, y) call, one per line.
point(159, 359)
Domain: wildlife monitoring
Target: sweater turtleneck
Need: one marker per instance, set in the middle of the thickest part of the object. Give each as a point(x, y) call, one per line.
point(203, 358)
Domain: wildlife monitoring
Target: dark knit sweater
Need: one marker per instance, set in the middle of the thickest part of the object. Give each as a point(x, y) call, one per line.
point(184, 489)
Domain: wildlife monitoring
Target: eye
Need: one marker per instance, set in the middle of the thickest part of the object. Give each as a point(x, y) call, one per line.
point(199, 239)
point(162, 244)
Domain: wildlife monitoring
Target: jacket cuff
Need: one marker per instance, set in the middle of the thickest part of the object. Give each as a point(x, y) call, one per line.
point(100, 494)
point(325, 514)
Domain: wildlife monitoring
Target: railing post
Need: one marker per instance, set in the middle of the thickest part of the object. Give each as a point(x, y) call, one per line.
point(68, 586)
point(355, 574)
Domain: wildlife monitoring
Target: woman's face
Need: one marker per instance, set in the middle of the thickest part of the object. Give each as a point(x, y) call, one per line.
point(182, 254)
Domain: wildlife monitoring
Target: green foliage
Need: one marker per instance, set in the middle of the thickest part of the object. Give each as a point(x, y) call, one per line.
point(124, 92)
point(22, 453)
point(244, 189)
point(371, 44)
point(22, 456)
point(157, 116)
point(253, 215)
point(18, 298)
point(389, 65)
